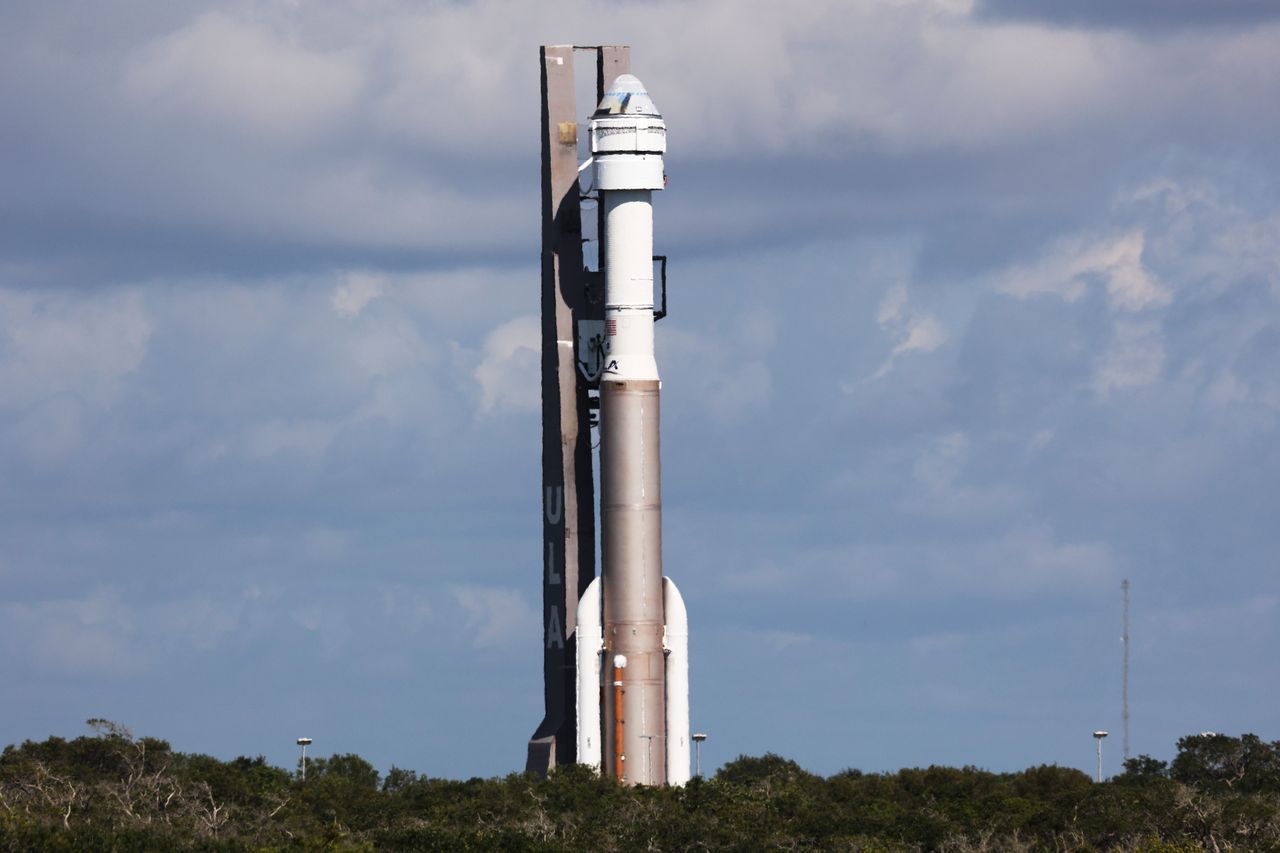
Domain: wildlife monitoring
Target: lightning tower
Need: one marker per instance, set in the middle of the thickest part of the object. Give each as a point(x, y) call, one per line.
point(1124, 683)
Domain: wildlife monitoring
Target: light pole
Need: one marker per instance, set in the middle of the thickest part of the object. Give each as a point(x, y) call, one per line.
point(304, 742)
point(698, 738)
point(1098, 736)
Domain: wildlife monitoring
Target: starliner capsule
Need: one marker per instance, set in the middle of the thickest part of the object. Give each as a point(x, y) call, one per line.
point(632, 649)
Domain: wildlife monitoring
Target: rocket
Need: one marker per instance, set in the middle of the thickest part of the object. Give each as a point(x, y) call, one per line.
point(632, 628)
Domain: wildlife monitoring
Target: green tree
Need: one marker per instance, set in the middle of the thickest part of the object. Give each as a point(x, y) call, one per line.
point(1246, 763)
point(1144, 768)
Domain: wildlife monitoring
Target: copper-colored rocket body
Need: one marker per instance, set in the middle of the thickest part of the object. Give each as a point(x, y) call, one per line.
point(631, 520)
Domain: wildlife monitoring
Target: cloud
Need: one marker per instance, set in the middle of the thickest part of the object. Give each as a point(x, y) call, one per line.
point(323, 543)
point(496, 617)
point(942, 463)
point(65, 361)
point(1134, 358)
point(1135, 353)
point(221, 136)
point(276, 436)
point(51, 431)
point(60, 343)
point(1024, 563)
point(1069, 268)
point(916, 331)
point(508, 373)
point(724, 367)
point(940, 489)
point(93, 635)
point(106, 634)
point(1139, 15)
point(1251, 618)
point(1227, 389)
point(409, 607)
point(1216, 236)
point(356, 292)
point(225, 74)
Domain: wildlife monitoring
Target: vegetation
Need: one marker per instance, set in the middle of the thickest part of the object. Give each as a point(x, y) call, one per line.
point(113, 791)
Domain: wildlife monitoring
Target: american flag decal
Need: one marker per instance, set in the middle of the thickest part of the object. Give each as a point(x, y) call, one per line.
point(611, 327)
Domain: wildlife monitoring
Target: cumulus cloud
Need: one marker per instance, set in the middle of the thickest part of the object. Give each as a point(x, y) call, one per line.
point(306, 438)
point(1024, 563)
point(1218, 238)
point(942, 463)
point(92, 635)
point(1134, 357)
point(940, 489)
point(223, 132)
point(1070, 267)
point(1135, 352)
point(508, 373)
point(358, 290)
point(62, 343)
point(916, 331)
point(410, 607)
point(1139, 15)
point(496, 617)
point(236, 74)
point(1227, 389)
point(325, 543)
point(106, 634)
point(724, 367)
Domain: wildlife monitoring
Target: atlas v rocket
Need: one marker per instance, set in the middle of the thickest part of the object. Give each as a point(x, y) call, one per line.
point(642, 651)
point(626, 642)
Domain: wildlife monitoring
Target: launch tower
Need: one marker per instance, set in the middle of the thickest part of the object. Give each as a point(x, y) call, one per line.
point(615, 648)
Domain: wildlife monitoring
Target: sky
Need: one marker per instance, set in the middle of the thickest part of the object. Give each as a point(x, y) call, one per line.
point(975, 312)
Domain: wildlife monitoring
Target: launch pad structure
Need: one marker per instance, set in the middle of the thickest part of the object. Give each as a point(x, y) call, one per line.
point(615, 647)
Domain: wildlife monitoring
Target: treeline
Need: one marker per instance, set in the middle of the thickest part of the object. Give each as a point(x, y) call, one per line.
point(113, 791)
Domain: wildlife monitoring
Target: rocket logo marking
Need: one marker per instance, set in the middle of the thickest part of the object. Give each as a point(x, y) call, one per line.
point(554, 513)
point(591, 341)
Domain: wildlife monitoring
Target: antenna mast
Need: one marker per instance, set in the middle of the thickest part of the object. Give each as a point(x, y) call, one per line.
point(1124, 687)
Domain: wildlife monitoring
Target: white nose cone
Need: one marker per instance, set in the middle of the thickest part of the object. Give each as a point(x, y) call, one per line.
point(626, 95)
point(628, 138)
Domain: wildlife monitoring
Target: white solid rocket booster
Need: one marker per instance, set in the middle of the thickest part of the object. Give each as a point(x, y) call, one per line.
point(633, 665)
